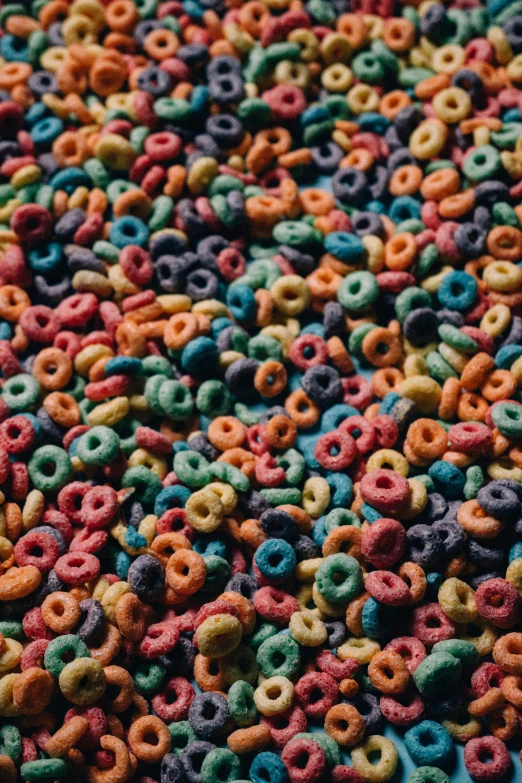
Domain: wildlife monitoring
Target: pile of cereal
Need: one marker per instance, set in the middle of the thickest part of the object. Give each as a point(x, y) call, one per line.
point(260, 440)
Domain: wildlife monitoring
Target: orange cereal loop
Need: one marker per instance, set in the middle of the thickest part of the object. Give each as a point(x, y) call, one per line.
point(250, 740)
point(253, 16)
point(240, 458)
point(279, 139)
point(476, 268)
point(8, 770)
point(300, 157)
point(107, 76)
point(52, 369)
point(440, 184)
point(70, 149)
point(450, 398)
point(353, 617)
point(388, 673)
point(472, 407)
point(289, 192)
point(270, 379)
point(505, 242)
point(344, 724)
point(251, 533)
point(281, 432)
point(97, 201)
point(226, 432)
point(76, 106)
point(458, 204)
point(301, 409)
point(352, 27)
point(381, 347)
point(208, 673)
point(303, 520)
point(359, 158)
point(121, 16)
point(14, 73)
point(399, 35)
point(55, 11)
point(133, 202)
point(125, 44)
point(186, 571)
point(385, 380)
point(477, 522)
point(13, 520)
point(13, 301)
point(130, 340)
point(60, 612)
point(63, 409)
point(499, 385)
point(393, 102)
point(161, 44)
point(33, 690)
point(345, 539)
point(22, 94)
point(427, 438)
point(503, 723)
point(429, 87)
point(328, 261)
point(477, 370)
point(316, 201)
point(324, 283)
point(71, 77)
point(400, 251)
point(405, 181)
point(339, 355)
point(149, 739)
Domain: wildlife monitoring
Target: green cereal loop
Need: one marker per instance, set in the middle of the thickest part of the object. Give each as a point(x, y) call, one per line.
point(223, 471)
point(411, 299)
point(439, 368)
point(12, 630)
point(11, 9)
point(21, 392)
point(513, 9)
point(410, 226)
point(357, 291)
point(482, 163)
point(436, 672)
point(428, 257)
point(318, 132)
point(44, 196)
point(427, 480)
point(162, 207)
point(213, 399)
point(223, 184)
point(148, 677)
point(295, 233)
point(98, 446)
point(321, 11)
point(480, 19)
point(192, 468)
point(272, 650)
point(241, 704)
point(126, 429)
point(456, 339)
point(294, 465)
point(356, 338)
point(156, 365)
point(146, 483)
point(245, 415)
point(118, 187)
point(151, 392)
point(44, 768)
point(505, 215)
point(281, 496)
point(339, 578)
point(220, 766)
point(337, 107)
point(437, 165)
point(507, 417)
point(385, 55)
point(506, 138)
point(368, 67)
point(240, 665)
point(83, 681)
point(137, 138)
point(221, 208)
point(286, 50)
point(106, 251)
point(410, 77)
point(339, 517)
point(461, 24)
point(171, 23)
point(76, 387)
point(428, 775)
point(6, 193)
point(50, 468)
point(329, 745)
point(10, 742)
point(63, 645)
point(173, 109)
point(261, 634)
point(474, 482)
point(181, 733)
point(254, 113)
point(255, 190)
point(262, 347)
point(218, 574)
point(464, 651)
point(175, 399)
